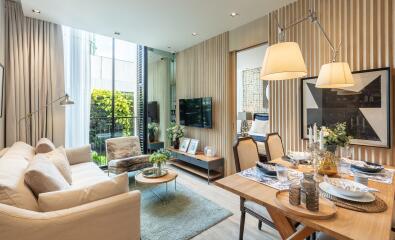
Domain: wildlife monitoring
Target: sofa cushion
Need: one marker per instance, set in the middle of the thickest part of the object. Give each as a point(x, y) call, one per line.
point(79, 155)
point(44, 145)
point(13, 190)
point(20, 149)
point(85, 174)
point(43, 176)
point(59, 159)
point(58, 200)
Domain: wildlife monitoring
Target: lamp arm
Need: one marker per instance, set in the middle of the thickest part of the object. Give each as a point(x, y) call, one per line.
point(42, 107)
point(312, 16)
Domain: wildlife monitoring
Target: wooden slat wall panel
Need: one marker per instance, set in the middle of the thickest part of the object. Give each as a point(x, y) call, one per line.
point(203, 71)
point(366, 29)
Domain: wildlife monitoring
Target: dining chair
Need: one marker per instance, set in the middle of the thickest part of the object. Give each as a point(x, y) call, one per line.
point(274, 146)
point(246, 155)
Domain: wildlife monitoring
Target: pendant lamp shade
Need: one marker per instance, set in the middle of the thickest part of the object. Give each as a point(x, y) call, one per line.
point(335, 75)
point(283, 61)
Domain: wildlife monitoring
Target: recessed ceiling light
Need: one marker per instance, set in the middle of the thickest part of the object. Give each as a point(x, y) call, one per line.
point(234, 14)
point(117, 33)
point(194, 34)
point(169, 47)
point(36, 11)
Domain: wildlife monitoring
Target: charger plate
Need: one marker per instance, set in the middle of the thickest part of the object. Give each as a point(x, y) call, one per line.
point(326, 208)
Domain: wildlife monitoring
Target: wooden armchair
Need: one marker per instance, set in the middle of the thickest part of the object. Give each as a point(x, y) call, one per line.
point(124, 155)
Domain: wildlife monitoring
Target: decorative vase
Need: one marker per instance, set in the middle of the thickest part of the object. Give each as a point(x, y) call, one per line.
point(151, 137)
point(327, 164)
point(345, 152)
point(176, 143)
point(158, 168)
point(210, 151)
point(331, 148)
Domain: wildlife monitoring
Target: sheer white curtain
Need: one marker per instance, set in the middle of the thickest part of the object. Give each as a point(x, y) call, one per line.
point(77, 56)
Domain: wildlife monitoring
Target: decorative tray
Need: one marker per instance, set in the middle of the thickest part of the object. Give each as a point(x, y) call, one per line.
point(326, 210)
point(153, 172)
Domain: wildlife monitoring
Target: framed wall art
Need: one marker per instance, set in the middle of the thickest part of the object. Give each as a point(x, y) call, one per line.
point(365, 107)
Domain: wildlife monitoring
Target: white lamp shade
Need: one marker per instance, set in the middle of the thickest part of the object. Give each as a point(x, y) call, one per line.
point(283, 61)
point(335, 75)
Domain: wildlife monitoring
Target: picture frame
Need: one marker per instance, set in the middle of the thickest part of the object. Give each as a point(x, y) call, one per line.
point(193, 146)
point(1, 89)
point(365, 107)
point(184, 144)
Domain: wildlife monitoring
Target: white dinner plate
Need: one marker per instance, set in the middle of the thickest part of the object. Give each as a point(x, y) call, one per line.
point(367, 197)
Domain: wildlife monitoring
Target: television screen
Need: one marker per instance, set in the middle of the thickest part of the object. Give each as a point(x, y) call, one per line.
point(196, 112)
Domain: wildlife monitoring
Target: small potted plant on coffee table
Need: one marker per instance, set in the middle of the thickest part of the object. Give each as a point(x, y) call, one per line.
point(159, 159)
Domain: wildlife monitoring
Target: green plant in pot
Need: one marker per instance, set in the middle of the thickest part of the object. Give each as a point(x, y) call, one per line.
point(336, 136)
point(174, 133)
point(153, 130)
point(159, 159)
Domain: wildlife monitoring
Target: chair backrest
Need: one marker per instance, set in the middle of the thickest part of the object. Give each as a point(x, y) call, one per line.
point(274, 146)
point(122, 147)
point(245, 153)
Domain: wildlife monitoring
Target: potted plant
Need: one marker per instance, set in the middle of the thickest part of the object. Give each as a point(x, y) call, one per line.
point(153, 130)
point(159, 158)
point(174, 133)
point(336, 136)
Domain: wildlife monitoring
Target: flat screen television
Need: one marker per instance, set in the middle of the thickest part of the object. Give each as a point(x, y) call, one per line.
point(196, 112)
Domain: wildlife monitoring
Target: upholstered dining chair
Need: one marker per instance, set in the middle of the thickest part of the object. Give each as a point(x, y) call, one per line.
point(124, 155)
point(274, 146)
point(245, 152)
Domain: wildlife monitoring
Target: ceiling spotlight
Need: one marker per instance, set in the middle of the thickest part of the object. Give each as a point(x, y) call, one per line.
point(169, 47)
point(36, 11)
point(117, 33)
point(234, 14)
point(194, 34)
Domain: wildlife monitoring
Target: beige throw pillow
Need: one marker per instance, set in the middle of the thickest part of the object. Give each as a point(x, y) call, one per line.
point(79, 155)
point(44, 145)
point(53, 201)
point(42, 176)
point(59, 159)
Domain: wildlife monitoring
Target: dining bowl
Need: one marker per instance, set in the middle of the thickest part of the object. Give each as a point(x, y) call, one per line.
point(347, 187)
point(267, 168)
point(367, 167)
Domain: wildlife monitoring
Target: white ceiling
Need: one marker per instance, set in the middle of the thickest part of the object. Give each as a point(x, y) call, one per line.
point(155, 23)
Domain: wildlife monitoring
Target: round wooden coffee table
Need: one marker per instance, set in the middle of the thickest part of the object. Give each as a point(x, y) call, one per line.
point(170, 176)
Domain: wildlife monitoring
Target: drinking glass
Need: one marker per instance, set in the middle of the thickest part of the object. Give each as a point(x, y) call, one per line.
point(282, 173)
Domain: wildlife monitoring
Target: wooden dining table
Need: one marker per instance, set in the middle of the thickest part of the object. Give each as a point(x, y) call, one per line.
point(346, 224)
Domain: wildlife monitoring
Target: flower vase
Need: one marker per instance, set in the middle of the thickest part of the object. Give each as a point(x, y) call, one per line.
point(328, 160)
point(151, 137)
point(158, 168)
point(176, 143)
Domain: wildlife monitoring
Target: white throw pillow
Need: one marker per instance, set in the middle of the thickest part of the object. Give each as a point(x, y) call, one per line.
point(58, 200)
point(43, 176)
point(59, 159)
point(260, 127)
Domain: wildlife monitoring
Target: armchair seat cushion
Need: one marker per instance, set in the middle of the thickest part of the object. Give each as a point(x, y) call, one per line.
point(127, 162)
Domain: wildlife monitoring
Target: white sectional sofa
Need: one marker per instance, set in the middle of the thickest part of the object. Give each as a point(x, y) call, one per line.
point(115, 218)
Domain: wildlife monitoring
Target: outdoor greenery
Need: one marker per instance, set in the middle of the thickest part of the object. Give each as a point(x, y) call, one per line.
point(153, 130)
point(101, 115)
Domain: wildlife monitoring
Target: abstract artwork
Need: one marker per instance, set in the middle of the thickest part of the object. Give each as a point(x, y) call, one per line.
point(365, 107)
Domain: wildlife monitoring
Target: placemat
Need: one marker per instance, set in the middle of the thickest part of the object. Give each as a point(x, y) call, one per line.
point(257, 175)
point(376, 206)
point(384, 176)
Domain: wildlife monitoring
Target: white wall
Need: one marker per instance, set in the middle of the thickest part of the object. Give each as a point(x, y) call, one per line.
point(2, 53)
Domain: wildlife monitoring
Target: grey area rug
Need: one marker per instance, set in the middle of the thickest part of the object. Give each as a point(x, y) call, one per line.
point(181, 214)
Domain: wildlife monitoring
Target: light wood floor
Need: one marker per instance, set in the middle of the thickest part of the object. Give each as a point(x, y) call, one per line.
point(229, 228)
